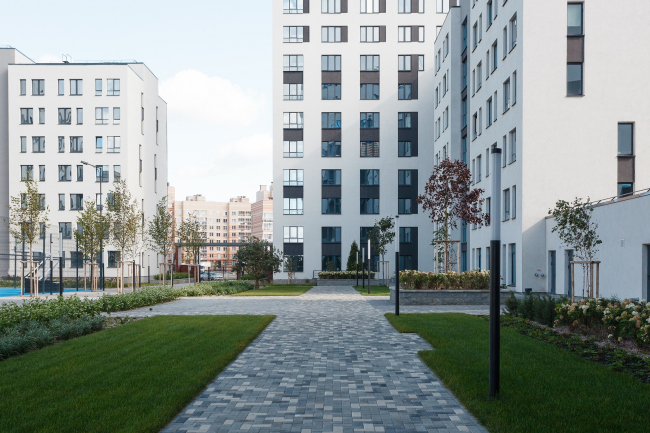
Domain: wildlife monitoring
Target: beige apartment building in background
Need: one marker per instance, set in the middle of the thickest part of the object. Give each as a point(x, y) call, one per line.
point(262, 214)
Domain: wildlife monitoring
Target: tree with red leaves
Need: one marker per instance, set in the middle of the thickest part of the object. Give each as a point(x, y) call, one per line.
point(449, 197)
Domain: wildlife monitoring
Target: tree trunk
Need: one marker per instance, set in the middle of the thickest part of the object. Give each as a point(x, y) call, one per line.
point(257, 283)
point(31, 271)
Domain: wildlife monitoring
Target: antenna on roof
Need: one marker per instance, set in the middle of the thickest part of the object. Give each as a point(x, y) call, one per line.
point(67, 58)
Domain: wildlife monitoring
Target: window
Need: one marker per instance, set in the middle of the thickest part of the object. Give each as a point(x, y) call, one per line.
point(370, 34)
point(514, 202)
point(404, 149)
point(574, 19)
point(445, 119)
point(331, 262)
point(76, 87)
point(113, 258)
point(80, 116)
point(403, 6)
point(293, 235)
point(421, 63)
point(475, 34)
point(404, 91)
point(293, 6)
point(98, 87)
point(293, 149)
point(626, 139)
point(298, 260)
point(23, 87)
point(488, 209)
point(445, 46)
point(26, 116)
point(76, 144)
point(65, 173)
point(369, 121)
point(76, 201)
point(488, 113)
point(331, 34)
point(80, 173)
point(369, 149)
point(404, 33)
point(442, 6)
point(65, 116)
point(514, 88)
point(574, 79)
point(101, 115)
point(113, 87)
point(625, 189)
point(61, 87)
point(403, 63)
point(293, 63)
point(513, 264)
point(404, 177)
point(513, 145)
point(506, 205)
point(331, 120)
point(369, 206)
point(61, 144)
point(369, 63)
point(293, 34)
point(26, 172)
point(117, 173)
point(369, 6)
point(331, 235)
point(463, 150)
point(479, 76)
point(490, 17)
point(369, 177)
point(38, 87)
point(99, 144)
point(474, 126)
point(116, 116)
point(293, 206)
point(328, 63)
point(478, 169)
point(405, 235)
point(329, 91)
point(403, 120)
point(495, 54)
point(66, 230)
point(293, 120)
point(331, 6)
point(61, 201)
point(41, 116)
point(293, 92)
point(464, 32)
point(114, 144)
point(330, 149)
point(404, 206)
point(513, 31)
point(464, 112)
point(293, 177)
point(331, 206)
point(369, 91)
point(38, 144)
point(102, 173)
point(41, 173)
point(421, 34)
point(331, 177)
point(506, 95)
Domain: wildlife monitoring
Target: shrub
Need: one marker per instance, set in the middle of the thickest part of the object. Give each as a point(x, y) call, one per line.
point(540, 308)
point(343, 275)
point(177, 275)
point(472, 280)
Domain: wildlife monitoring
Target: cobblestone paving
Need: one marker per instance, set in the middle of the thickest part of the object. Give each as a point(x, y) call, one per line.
point(329, 362)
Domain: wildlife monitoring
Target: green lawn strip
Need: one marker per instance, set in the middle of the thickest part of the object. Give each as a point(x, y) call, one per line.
point(132, 378)
point(543, 388)
point(277, 290)
point(374, 290)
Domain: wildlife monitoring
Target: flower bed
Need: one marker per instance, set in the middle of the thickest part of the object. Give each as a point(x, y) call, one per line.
point(343, 275)
point(472, 280)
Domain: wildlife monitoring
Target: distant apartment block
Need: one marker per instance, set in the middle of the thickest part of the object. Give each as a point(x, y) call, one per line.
point(262, 214)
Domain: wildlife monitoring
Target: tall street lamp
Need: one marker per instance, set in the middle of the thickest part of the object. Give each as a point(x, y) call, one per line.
point(397, 265)
point(495, 283)
point(100, 169)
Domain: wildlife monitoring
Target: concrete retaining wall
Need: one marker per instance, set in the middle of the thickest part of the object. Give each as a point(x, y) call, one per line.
point(445, 297)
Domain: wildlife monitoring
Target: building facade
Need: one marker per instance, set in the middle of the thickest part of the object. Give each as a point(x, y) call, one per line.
point(64, 118)
point(262, 214)
point(353, 85)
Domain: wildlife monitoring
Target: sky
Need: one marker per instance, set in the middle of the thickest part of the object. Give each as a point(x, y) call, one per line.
point(213, 71)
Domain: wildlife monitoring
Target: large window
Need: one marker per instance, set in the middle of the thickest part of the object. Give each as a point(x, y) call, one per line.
point(329, 63)
point(404, 34)
point(38, 144)
point(331, 177)
point(293, 6)
point(293, 92)
point(26, 116)
point(66, 230)
point(76, 87)
point(369, 177)
point(626, 139)
point(293, 206)
point(293, 235)
point(331, 149)
point(293, 149)
point(26, 172)
point(293, 34)
point(369, 6)
point(65, 116)
point(369, 91)
point(38, 87)
point(331, 120)
point(404, 6)
point(574, 19)
point(370, 34)
point(293, 120)
point(331, 206)
point(330, 91)
point(101, 116)
point(65, 173)
point(113, 258)
point(330, 6)
point(331, 34)
point(76, 201)
point(76, 144)
point(369, 149)
point(403, 63)
point(331, 235)
point(113, 144)
point(293, 63)
point(113, 87)
point(404, 206)
point(442, 6)
point(403, 120)
point(405, 235)
point(369, 121)
point(102, 173)
point(404, 149)
point(297, 260)
point(404, 177)
point(369, 206)
point(369, 63)
point(513, 32)
point(574, 79)
point(404, 92)
point(293, 177)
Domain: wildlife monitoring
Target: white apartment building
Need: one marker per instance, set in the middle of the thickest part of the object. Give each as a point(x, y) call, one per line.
point(60, 115)
point(353, 85)
point(555, 85)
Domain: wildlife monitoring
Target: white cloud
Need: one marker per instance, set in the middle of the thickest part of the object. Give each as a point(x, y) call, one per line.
point(193, 95)
point(49, 58)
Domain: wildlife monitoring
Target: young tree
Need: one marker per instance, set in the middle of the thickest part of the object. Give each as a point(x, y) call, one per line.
point(258, 259)
point(125, 222)
point(93, 229)
point(161, 231)
point(291, 266)
point(192, 234)
point(449, 198)
point(575, 228)
point(352, 258)
point(382, 234)
point(28, 217)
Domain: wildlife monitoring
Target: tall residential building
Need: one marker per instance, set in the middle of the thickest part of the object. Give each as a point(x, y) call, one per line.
point(548, 84)
point(353, 121)
point(262, 214)
point(61, 115)
point(224, 223)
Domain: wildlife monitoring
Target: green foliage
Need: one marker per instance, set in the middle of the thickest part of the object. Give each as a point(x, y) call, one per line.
point(191, 233)
point(540, 308)
point(352, 258)
point(472, 280)
point(382, 234)
point(161, 230)
point(574, 227)
point(374, 290)
point(344, 275)
point(27, 214)
point(177, 275)
point(94, 228)
point(258, 259)
point(125, 220)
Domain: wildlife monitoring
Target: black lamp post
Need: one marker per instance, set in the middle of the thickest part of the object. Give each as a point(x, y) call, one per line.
point(100, 168)
point(397, 266)
point(495, 265)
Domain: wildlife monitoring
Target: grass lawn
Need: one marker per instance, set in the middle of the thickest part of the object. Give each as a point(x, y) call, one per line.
point(374, 290)
point(278, 290)
point(132, 378)
point(543, 388)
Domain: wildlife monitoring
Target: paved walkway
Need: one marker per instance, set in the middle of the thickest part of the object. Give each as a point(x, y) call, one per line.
point(329, 362)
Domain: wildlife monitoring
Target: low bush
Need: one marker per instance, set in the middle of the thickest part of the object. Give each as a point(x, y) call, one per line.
point(540, 308)
point(343, 275)
point(472, 280)
point(177, 275)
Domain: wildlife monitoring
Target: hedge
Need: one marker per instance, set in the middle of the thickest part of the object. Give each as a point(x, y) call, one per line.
point(472, 280)
point(343, 275)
